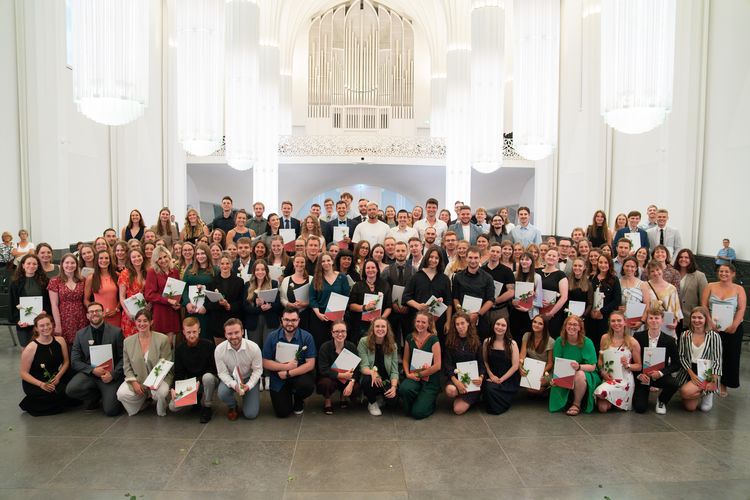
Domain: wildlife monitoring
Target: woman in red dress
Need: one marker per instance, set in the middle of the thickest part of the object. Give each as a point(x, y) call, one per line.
point(131, 281)
point(166, 311)
point(66, 296)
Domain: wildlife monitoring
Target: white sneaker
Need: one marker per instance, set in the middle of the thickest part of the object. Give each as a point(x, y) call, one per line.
point(661, 408)
point(707, 402)
point(374, 409)
point(267, 383)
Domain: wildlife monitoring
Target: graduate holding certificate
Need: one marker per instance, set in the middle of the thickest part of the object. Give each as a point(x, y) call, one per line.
point(660, 363)
point(462, 345)
point(500, 353)
point(697, 387)
point(338, 368)
point(575, 346)
point(326, 281)
point(369, 299)
point(536, 348)
point(422, 385)
point(619, 357)
point(261, 316)
point(29, 281)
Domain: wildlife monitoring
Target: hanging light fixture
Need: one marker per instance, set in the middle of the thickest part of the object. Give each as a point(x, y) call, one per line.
point(110, 41)
point(536, 62)
point(487, 83)
point(200, 75)
point(637, 63)
point(241, 83)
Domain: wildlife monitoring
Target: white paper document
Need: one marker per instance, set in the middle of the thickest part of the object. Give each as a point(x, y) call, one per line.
point(378, 299)
point(704, 369)
point(286, 352)
point(524, 293)
point(576, 307)
point(436, 307)
point(275, 272)
point(197, 295)
point(397, 293)
point(534, 373)
point(134, 304)
point(302, 294)
point(346, 361)
point(336, 306)
point(612, 363)
point(173, 288)
point(30, 308)
point(289, 237)
point(158, 374)
point(498, 288)
point(101, 355)
point(668, 320)
point(268, 296)
point(472, 369)
point(213, 296)
point(471, 304)
point(420, 358)
point(635, 238)
point(723, 316)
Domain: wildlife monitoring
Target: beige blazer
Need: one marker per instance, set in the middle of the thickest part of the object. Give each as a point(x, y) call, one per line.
point(691, 289)
point(135, 366)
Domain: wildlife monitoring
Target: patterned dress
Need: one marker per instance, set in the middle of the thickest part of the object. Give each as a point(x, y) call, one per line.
point(70, 305)
point(618, 391)
point(126, 323)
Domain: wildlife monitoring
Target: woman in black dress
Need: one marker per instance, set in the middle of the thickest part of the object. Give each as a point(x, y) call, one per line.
point(29, 280)
point(607, 288)
point(520, 315)
point(232, 288)
point(462, 344)
point(554, 280)
point(500, 354)
point(429, 281)
point(44, 371)
point(598, 232)
point(371, 284)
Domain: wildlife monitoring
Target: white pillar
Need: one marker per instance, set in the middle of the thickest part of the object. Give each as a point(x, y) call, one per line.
point(458, 150)
point(437, 97)
point(266, 170)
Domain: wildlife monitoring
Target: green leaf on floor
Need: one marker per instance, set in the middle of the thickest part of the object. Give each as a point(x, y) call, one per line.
point(290, 478)
point(215, 461)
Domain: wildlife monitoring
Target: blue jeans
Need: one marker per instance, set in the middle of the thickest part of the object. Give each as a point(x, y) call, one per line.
point(250, 401)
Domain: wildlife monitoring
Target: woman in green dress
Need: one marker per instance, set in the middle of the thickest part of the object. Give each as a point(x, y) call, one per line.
point(422, 385)
point(201, 273)
point(573, 345)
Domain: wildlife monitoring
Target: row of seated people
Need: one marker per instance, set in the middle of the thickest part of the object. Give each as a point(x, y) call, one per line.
point(54, 381)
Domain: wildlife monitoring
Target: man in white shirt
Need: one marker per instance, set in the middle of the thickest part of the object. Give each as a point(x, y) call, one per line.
point(431, 220)
point(662, 234)
point(373, 230)
point(403, 232)
point(524, 233)
point(239, 363)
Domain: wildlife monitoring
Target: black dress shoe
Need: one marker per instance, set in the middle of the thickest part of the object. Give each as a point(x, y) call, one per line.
point(206, 414)
point(91, 405)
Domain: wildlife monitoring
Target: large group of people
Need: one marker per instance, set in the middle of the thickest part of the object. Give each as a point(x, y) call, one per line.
point(425, 304)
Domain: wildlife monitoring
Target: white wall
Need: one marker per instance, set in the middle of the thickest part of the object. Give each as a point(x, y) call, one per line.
point(10, 201)
point(726, 177)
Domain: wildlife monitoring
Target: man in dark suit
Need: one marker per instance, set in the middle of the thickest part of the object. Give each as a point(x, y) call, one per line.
point(663, 379)
point(464, 229)
point(362, 207)
point(339, 221)
point(91, 383)
point(399, 274)
point(287, 221)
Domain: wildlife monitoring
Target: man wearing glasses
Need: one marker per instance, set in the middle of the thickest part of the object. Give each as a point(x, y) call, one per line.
point(291, 382)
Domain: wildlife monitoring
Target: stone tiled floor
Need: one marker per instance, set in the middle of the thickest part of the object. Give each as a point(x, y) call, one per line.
point(526, 453)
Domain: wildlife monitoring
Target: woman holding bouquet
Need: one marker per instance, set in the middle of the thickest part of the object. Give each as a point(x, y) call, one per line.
point(575, 346)
point(462, 344)
point(201, 274)
point(500, 354)
point(422, 385)
point(44, 371)
point(131, 282)
point(379, 365)
point(618, 347)
point(699, 343)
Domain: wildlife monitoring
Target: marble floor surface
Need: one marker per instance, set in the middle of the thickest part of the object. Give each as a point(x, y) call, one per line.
point(525, 453)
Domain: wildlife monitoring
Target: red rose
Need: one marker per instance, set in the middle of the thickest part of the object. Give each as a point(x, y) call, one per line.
point(603, 394)
point(618, 402)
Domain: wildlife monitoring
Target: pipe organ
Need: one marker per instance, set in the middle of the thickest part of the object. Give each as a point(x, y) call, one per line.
point(361, 69)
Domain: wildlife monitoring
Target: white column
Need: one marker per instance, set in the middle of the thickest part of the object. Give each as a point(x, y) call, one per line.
point(437, 98)
point(266, 170)
point(458, 144)
point(285, 104)
point(544, 193)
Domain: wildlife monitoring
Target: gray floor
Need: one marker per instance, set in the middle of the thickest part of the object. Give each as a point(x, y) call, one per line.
point(526, 453)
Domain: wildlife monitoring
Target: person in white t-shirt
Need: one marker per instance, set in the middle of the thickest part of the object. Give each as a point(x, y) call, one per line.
point(403, 232)
point(373, 230)
point(431, 220)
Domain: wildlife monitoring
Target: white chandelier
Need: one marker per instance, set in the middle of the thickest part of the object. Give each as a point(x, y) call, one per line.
point(110, 59)
point(637, 63)
point(487, 83)
point(200, 75)
point(536, 62)
point(241, 83)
